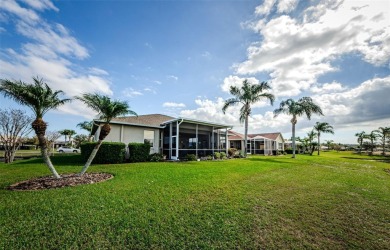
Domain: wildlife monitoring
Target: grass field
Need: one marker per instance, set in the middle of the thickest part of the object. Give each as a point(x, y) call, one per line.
point(333, 201)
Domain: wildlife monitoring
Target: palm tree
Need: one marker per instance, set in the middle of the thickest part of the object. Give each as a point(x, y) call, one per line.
point(329, 143)
point(87, 126)
point(298, 108)
point(311, 136)
point(40, 98)
point(383, 133)
point(322, 127)
point(107, 110)
point(360, 138)
point(372, 137)
point(247, 95)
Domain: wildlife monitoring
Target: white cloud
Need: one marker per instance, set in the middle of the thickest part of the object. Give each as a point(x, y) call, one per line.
point(172, 77)
point(13, 8)
point(157, 82)
point(41, 4)
point(206, 54)
point(131, 93)
point(327, 88)
point(296, 51)
point(173, 105)
point(265, 8)
point(97, 71)
point(286, 6)
point(236, 81)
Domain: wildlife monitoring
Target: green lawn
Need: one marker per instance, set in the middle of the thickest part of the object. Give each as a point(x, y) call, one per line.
point(332, 201)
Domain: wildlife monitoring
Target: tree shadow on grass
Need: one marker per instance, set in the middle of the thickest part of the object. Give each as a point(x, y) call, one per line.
point(269, 159)
point(384, 159)
point(68, 160)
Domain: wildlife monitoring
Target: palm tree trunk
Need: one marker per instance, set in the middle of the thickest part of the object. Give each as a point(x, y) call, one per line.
point(246, 136)
point(293, 121)
point(91, 157)
point(319, 145)
point(45, 156)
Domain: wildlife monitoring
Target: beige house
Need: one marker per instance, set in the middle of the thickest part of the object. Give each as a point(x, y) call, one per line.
point(174, 137)
point(264, 143)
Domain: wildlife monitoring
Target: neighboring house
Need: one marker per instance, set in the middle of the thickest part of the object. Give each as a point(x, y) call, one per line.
point(265, 143)
point(173, 137)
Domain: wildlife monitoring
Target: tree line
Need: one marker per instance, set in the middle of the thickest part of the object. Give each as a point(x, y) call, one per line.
point(369, 141)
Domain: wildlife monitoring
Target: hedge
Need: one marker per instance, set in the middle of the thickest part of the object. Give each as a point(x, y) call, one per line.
point(109, 152)
point(139, 152)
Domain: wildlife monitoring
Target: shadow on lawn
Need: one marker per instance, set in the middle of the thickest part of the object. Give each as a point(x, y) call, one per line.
point(270, 159)
point(385, 159)
point(69, 160)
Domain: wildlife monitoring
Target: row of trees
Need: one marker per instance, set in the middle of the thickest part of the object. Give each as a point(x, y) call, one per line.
point(369, 140)
point(250, 94)
point(308, 143)
point(40, 98)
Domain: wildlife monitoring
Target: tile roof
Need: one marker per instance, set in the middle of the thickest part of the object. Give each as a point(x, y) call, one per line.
point(154, 120)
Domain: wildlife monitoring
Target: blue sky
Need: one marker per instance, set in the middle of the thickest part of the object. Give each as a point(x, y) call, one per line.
point(180, 57)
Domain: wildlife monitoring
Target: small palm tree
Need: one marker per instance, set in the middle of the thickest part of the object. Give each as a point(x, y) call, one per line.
point(329, 143)
point(373, 136)
point(247, 95)
point(41, 99)
point(87, 126)
point(360, 139)
point(322, 127)
point(311, 136)
point(304, 105)
point(107, 110)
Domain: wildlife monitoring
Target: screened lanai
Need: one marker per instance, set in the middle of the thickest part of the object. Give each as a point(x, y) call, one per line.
point(184, 136)
point(261, 145)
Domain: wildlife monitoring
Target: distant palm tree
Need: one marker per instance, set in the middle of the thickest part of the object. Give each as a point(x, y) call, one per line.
point(322, 127)
point(311, 136)
point(384, 134)
point(329, 143)
point(360, 139)
point(40, 98)
point(247, 95)
point(304, 105)
point(87, 126)
point(372, 137)
point(68, 133)
point(107, 110)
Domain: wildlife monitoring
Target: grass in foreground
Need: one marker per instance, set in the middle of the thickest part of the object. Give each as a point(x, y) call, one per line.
point(334, 201)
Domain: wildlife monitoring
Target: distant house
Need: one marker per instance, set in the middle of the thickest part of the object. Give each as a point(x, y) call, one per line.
point(264, 143)
point(173, 137)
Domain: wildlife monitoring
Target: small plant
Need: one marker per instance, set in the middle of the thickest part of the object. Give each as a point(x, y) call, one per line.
point(223, 155)
point(217, 155)
point(191, 157)
point(209, 157)
point(156, 157)
point(232, 152)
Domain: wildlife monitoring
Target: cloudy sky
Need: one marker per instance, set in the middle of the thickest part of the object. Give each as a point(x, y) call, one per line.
point(180, 57)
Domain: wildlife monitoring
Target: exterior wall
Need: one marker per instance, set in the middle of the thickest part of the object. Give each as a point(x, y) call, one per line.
point(127, 134)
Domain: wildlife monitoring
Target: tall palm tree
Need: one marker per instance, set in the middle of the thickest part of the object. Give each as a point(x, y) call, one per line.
point(322, 127)
point(384, 134)
point(360, 138)
point(107, 110)
point(304, 105)
point(40, 98)
point(247, 95)
point(87, 126)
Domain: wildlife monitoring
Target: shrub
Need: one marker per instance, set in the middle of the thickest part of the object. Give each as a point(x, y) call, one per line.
point(223, 155)
point(139, 152)
point(232, 152)
point(217, 155)
point(156, 157)
point(109, 152)
point(191, 157)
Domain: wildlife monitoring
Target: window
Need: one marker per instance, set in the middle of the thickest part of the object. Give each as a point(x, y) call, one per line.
point(149, 137)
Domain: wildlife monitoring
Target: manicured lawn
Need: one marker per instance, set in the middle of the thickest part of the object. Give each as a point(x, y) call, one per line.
point(332, 201)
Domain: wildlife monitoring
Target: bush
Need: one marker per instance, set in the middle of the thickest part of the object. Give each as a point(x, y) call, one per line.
point(223, 155)
point(156, 157)
point(191, 157)
point(109, 152)
point(139, 152)
point(232, 152)
point(217, 155)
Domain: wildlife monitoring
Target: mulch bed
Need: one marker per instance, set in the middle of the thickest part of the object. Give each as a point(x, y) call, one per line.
point(66, 180)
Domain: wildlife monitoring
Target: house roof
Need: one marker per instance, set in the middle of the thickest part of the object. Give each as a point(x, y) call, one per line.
point(188, 120)
point(237, 136)
point(152, 120)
